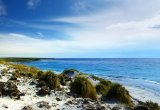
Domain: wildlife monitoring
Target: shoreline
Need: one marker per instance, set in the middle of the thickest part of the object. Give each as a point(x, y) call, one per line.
point(59, 98)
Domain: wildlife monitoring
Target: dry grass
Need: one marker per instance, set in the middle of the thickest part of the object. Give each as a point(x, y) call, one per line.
point(51, 80)
point(83, 88)
point(118, 93)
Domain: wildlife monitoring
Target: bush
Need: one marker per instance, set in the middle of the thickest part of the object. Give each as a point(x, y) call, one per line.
point(118, 93)
point(152, 105)
point(103, 87)
point(83, 88)
point(51, 80)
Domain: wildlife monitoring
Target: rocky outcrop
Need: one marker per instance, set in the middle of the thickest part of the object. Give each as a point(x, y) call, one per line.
point(9, 89)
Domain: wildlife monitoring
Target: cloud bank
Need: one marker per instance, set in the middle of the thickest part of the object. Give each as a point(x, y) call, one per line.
point(119, 30)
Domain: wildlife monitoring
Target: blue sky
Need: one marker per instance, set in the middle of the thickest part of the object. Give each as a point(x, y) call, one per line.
point(80, 28)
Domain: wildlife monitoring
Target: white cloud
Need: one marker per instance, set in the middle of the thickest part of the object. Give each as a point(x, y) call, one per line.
point(32, 4)
point(124, 27)
point(3, 11)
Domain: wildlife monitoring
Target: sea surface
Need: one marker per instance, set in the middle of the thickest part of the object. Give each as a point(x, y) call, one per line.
point(133, 72)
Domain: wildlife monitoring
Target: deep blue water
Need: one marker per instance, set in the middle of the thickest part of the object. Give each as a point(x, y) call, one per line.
point(144, 73)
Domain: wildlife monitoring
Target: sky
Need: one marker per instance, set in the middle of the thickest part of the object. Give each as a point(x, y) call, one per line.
point(80, 28)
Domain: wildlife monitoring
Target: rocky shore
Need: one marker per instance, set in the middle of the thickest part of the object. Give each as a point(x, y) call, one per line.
point(29, 92)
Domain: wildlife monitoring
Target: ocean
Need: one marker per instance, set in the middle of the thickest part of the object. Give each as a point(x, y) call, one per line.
point(141, 73)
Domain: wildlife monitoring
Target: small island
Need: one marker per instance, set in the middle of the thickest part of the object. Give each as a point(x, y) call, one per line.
point(28, 88)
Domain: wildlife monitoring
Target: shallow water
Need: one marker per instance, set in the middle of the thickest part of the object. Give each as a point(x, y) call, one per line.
point(141, 73)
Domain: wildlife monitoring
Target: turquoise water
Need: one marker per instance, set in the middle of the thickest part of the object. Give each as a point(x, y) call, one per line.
point(143, 73)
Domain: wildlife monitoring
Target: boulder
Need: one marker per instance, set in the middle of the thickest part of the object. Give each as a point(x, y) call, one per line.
point(71, 73)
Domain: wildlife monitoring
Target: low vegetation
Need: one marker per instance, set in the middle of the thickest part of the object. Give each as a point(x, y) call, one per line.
point(23, 70)
point(151, 105)
point(19, 59)
point(118, 93)
point(83, 88)
point(103, 87)
point(51, 79)
point(80, 85)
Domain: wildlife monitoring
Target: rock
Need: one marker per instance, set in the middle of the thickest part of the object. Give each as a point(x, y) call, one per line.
point(85, 101)
point(32, 83)
point(89, 107)
point(15, 95)
point(9, 89)
point(70, 102)
point(27, 108)
point(71, 73)
point(141, 108)
point(4, 106)
point(43, 91)
point(116, 108)
point(58, 99)
point(1, 88)
point(14, 78)
point(100, 107)
point(43, 104)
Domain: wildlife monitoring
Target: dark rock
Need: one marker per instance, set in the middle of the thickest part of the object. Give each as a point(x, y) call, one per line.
point(116, 108)
point(43, 104)
point(4, 106)
point(70, 102)
point(43, 91)
point(85, 101)
point(1, 88)
point(9, 89)
point(14, 78)
point(141, 108)
point(15, 95)
point(27, 108)
point(100, 108)
point(32, 83)
point(58, 99)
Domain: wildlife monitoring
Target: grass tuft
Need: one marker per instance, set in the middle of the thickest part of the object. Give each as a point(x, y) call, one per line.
point(119, 93)
point(51, 80)
point(83, 88)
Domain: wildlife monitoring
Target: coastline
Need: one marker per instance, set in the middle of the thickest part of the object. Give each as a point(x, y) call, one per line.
point(31, 99)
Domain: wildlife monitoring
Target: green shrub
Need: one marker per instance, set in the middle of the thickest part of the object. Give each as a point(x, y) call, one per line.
point(118, 93)
point(152, 105)
point(103, 87)
point(83, 88)
point(39, 74)
point(51, 80)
